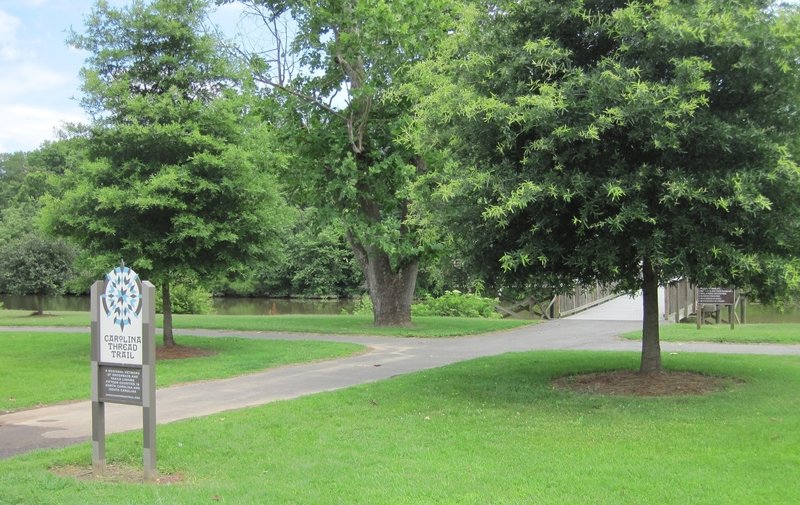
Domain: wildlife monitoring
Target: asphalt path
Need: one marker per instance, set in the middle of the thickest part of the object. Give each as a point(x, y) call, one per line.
point(386, 357)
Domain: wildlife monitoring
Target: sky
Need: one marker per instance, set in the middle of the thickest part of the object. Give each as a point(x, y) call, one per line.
point(39, 73)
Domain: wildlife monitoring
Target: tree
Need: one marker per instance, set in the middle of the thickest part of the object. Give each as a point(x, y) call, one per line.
point(33, 265)
point(13, 168)
point(347, 162)
point(166, 186)
point(623, 142)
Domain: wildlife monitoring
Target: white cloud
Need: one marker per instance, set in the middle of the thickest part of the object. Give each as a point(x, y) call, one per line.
point(27, 78)
point(24, 128)
point(9, 46)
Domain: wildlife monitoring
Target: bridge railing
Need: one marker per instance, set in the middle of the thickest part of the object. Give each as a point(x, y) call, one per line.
point(563, 305)
point(679, 300)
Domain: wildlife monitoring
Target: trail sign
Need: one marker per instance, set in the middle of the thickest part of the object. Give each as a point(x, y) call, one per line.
point(123, 358)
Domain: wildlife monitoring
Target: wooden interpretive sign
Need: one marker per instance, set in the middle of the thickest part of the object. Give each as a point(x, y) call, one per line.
point(123, 358)
point(716, 296)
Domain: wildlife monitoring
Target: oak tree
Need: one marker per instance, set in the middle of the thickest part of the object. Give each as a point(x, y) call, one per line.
point(624, 142)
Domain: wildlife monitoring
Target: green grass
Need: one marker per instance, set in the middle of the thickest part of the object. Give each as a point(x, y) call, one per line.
point(44, 368)
point(339, 325)
point(490, 431)
point(762, 333)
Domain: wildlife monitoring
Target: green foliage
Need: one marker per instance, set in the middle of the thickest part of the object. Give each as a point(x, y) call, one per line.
point(34, 265)
point(362, 307)
point(347, 162)
point(167, 185)
point(13, 168)
point(457, 304)
point(186, 298)
point(608, 133)
point(315, 261)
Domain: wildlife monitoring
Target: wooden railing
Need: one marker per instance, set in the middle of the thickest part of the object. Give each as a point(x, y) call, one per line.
point(679, 300)
point(559, 306)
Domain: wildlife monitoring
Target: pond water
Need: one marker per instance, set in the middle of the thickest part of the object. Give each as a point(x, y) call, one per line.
point(222, 306)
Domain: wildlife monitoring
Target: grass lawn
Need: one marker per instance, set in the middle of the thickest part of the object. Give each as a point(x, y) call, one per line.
point(339, 325)
point(31, 373)
point(489, 431)
point(772, 333)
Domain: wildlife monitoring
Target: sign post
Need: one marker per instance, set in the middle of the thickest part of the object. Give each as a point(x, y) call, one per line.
point(123, 358)
point(718, 297)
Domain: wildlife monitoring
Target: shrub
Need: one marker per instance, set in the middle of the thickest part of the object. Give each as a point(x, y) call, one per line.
point(457, 304)
point(362, 307)
point(186, 299)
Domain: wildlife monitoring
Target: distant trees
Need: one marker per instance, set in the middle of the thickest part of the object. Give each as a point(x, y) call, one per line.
point(622, 142)
point(33, 265)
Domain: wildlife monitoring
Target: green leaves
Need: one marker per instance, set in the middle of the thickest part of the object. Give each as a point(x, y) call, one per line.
point(609, 134)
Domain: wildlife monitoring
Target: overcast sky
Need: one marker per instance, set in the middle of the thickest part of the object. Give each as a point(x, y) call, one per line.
point(39, 85)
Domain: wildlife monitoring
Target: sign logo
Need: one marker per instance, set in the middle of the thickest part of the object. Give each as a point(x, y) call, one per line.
point(121, 318)
point(122, 300)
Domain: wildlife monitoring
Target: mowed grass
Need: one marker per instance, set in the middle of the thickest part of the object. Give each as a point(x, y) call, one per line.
point(44, 368)
point(322, 324)
point(772, 333)
point(489, 431)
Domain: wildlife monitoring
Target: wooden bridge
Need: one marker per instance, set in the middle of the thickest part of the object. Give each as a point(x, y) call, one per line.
point(676, 302)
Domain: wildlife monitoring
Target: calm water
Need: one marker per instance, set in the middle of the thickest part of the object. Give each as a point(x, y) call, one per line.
point(222, 306)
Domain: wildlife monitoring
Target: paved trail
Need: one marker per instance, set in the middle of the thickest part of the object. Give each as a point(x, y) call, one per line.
point(66, 424)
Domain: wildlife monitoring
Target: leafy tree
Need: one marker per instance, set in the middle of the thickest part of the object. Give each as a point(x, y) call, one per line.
point(622, 141)
point(33, 265)
point(347, 55)
point(166, 186)
point(13, 168)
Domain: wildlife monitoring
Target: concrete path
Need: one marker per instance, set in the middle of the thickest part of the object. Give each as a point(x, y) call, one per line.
point(61, 425)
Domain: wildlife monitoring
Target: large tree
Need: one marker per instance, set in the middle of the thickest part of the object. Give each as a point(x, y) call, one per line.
point(626, 142)
point(333, 76)
point(166, 187)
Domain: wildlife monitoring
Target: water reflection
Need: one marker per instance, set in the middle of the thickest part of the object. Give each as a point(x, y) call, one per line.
point(222, 306)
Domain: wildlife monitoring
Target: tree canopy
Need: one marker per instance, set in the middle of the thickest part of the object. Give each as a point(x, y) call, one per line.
point(169, 185)
point(621, 141)
point(342, 128)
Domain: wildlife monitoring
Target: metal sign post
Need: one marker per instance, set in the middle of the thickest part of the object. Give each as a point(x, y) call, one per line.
point(123, 358)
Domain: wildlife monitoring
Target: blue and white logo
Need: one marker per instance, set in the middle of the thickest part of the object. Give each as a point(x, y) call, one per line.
point(122, 300)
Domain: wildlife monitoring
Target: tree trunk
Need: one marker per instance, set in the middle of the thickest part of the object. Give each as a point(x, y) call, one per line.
point(169, 339)
point(651, 347)
point(39, 304)
point(391, 291)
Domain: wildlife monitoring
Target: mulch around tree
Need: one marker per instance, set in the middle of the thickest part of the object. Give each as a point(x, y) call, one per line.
point(628, 383)
point(182, 352)
point(113, 473)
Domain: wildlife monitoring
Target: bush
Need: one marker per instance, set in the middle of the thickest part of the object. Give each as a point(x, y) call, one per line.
point(186, 299)
point(457, 304)
point(362, 307)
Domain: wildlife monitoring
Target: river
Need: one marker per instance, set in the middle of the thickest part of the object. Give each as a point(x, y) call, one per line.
point(222, 306)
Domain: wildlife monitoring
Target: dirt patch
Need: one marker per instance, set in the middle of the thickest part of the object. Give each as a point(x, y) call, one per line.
point(182, 352)
point(625, 382)
point(113, 473)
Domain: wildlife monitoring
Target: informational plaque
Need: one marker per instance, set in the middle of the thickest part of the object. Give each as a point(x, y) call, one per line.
point(120, 384)
point(716, 296)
